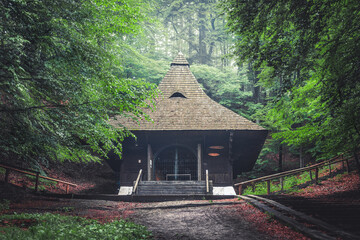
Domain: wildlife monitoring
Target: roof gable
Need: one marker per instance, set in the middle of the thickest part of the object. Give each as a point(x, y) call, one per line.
point(194, 111)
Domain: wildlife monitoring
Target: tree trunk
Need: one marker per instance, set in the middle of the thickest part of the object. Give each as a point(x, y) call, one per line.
point(357, 161)
point(202, 36)
point(302, 161)
point(280, 169)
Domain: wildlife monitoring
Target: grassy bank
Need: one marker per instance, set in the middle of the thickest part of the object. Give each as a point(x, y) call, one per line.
point(55, 226)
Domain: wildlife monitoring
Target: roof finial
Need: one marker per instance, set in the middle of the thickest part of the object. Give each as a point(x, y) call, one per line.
point(180, 60)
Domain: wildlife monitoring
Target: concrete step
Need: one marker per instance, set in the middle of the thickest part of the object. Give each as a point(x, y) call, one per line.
point(172, 182)
point(173, 188)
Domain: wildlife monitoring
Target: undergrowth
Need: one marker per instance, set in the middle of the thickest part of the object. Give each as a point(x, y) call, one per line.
point(54, 226)
point(290, 183)
point(4, 205)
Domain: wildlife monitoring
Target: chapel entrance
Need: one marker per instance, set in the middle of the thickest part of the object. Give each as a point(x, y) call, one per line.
point(175, 163)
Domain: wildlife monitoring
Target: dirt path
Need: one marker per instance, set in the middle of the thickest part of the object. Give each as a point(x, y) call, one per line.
point(194, 220)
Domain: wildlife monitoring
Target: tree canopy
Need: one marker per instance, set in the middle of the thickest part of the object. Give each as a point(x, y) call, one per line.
point(62, 77)
point(67, 66)
point(308, 53)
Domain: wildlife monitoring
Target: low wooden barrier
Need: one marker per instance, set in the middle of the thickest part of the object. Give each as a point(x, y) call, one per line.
point(33, 173)
point(294, 172)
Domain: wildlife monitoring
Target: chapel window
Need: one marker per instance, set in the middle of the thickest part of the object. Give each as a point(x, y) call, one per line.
point(177, 94)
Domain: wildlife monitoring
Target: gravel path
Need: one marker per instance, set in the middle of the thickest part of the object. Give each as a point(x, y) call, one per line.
point(194, 220)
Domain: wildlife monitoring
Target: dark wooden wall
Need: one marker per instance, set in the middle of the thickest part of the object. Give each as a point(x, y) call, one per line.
point(222, 169)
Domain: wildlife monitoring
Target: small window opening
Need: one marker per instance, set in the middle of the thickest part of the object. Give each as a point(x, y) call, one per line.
point(177, 94)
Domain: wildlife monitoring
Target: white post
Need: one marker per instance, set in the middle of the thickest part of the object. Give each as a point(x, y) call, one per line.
point(207, 181)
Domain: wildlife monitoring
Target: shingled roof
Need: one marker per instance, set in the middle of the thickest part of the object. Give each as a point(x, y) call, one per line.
point(183, 105)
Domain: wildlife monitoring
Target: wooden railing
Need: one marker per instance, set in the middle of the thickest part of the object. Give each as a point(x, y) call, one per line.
point(33, 173)
point(294, 172)
point(136, 183)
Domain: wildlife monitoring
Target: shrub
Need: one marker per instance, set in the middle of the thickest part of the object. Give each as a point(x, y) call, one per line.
point(54, 226)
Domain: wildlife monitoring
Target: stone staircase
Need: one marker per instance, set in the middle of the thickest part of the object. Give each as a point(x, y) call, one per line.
point(173, 188)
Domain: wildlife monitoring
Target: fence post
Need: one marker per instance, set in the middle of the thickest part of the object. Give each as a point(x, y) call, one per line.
point(37, 181)
point(316, 176)
point(7, 172)
point(268, 186)
point(67, 188)
point(310, 173)
point(240, 189)
point(329, 169)
point(282, 183)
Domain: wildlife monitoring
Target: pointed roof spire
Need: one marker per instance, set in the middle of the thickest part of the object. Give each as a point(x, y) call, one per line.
point(193, 111)
point(180, 60)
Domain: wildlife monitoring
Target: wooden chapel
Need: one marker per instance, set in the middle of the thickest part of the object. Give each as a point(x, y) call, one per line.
point(189, 135)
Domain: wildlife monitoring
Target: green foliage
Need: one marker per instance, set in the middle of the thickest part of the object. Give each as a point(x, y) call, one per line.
point(67, 209)
point(62, 78)
point(4, 204)
point(142, 67)
point(227, 86)
point(53, 226)
point(290, 184)
point(307, 53)
point(189, 24)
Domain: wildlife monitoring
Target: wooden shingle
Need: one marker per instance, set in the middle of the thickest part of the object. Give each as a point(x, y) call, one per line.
point(194, 111)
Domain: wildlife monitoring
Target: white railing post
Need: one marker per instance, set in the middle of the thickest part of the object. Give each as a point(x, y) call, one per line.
point(137, 181)
point(207, 181)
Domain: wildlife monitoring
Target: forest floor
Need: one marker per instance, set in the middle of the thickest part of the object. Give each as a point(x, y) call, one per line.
point(195, 219)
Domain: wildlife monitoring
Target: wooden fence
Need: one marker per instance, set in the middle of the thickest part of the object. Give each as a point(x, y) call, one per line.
point(33, 173)
point(281, 175)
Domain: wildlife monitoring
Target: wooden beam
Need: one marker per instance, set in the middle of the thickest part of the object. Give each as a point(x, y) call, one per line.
point(231, 160)
point(33, 173)
point(287, 173)
point(240, 189)
point(231, 138)
point(199, 161)
point(150, 162)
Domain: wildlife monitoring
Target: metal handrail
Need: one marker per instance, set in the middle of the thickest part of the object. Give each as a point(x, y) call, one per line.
point(137, 181)
point(36, 174)
point(292, 172)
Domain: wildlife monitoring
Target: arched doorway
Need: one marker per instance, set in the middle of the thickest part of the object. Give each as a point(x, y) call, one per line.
point(175, 163)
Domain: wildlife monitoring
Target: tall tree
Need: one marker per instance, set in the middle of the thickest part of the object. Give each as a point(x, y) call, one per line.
point(310, 50)
point(197, 29)
point(61, 78)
